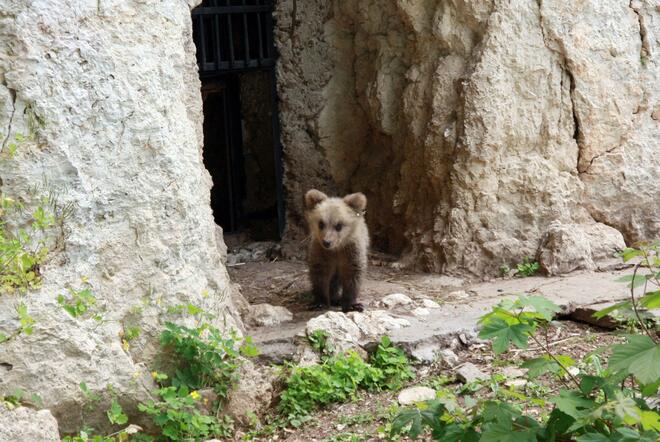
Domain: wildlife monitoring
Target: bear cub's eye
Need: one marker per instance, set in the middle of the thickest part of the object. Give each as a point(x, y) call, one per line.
point(338, 227)
point(321, 225)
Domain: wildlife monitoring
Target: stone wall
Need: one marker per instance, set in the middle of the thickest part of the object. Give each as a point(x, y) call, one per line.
point(108, 92)
point(472, 126)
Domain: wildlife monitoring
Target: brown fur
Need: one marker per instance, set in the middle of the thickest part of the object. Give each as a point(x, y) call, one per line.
point(337, 258)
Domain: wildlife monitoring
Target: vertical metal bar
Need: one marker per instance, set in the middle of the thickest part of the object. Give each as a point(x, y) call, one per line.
point(216, 24)
point(270, 46)
point(228, 157)
point(247, 39)
point(231, 42)
point(260, 35)
point(202, 39)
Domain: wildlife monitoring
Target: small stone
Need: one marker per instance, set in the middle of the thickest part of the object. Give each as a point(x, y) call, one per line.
point(516, 383)
point(429, 303)
point(266, 315)
point(421, 311)
point(463, 338)
point(459, 294)
point(396, 299)
point(306, 356)
point(425, 354)
point(574, 371)
point(412, 395)
point(513, 372)
point(469, 372)
point(449, 357)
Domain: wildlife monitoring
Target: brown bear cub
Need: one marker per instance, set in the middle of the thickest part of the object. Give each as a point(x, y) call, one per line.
point(337, 254)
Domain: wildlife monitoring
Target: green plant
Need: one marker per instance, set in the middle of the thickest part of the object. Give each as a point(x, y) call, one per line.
point(505, 270)
point(26, 237)
point(527, 268)
point(596, 405)
point(338, 378)
point(79, 302)
point(205, 358)
point(393, 363)
point(177, 415)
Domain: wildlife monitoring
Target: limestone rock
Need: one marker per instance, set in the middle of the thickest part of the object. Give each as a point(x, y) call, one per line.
point(395, 300)
point(253, 392)
point(429, 303)
point(421, 312)
point(425, 353)
point(266, 315)
point(306, 356)
point(568, 247)
point(513, 372)
point(469, 372)
point(355, 330)
point(343, 333)
point(25, 424)
point(449, 357)
point(478, 149)
point(114, 133)
point(412, 395)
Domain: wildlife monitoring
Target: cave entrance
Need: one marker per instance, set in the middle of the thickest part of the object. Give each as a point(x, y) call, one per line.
point(236, 59)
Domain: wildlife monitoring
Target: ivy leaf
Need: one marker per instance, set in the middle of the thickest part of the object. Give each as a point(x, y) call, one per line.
point(640, 356)
point(504, 334)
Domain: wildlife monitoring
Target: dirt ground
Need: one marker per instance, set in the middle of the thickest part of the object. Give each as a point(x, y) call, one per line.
point(367, 418)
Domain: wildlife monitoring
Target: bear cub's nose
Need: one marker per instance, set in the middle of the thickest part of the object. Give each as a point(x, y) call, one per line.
point(326, 244)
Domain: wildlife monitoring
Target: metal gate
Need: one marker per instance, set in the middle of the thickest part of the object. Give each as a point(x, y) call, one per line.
point(234, 36)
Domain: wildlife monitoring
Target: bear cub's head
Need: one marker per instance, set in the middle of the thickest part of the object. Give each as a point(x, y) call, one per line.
point(333, 222)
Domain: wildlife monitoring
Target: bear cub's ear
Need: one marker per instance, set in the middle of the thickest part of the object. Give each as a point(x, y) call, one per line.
point(356, 201)
point(313, 198)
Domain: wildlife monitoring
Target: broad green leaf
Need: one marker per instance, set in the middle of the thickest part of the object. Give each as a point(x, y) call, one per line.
point(629, 253)
point(607, 310)
point(633, 280)
point(539, 366)
point(573, 404)
point(640, 356)
point(651, 300)
point(502, 431)
point(593, 437)
point(650, 420)
point(541, 305)
point(504, 334)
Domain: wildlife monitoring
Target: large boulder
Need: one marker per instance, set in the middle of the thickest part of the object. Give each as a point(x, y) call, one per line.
point(569, 247)
point(26, 424)
point(101, 103)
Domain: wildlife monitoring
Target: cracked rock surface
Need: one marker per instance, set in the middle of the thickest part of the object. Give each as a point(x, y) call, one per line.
point(471, 125)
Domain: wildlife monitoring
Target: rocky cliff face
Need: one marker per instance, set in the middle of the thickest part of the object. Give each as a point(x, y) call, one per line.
point(103, 101)
point(473, 125)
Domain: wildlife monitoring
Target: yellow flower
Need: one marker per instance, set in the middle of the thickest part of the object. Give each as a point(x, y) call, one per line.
point(195, 394)
point(154, 374)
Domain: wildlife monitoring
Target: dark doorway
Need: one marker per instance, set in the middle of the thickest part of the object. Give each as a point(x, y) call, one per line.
point(236, 59)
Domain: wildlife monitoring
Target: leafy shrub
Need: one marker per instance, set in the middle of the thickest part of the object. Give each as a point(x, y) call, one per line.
point(23, 249)
point(205, 359)
point(527, 268)
point(393, 363)
point(177, 415)
point(593, 407)
point(338, 378)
